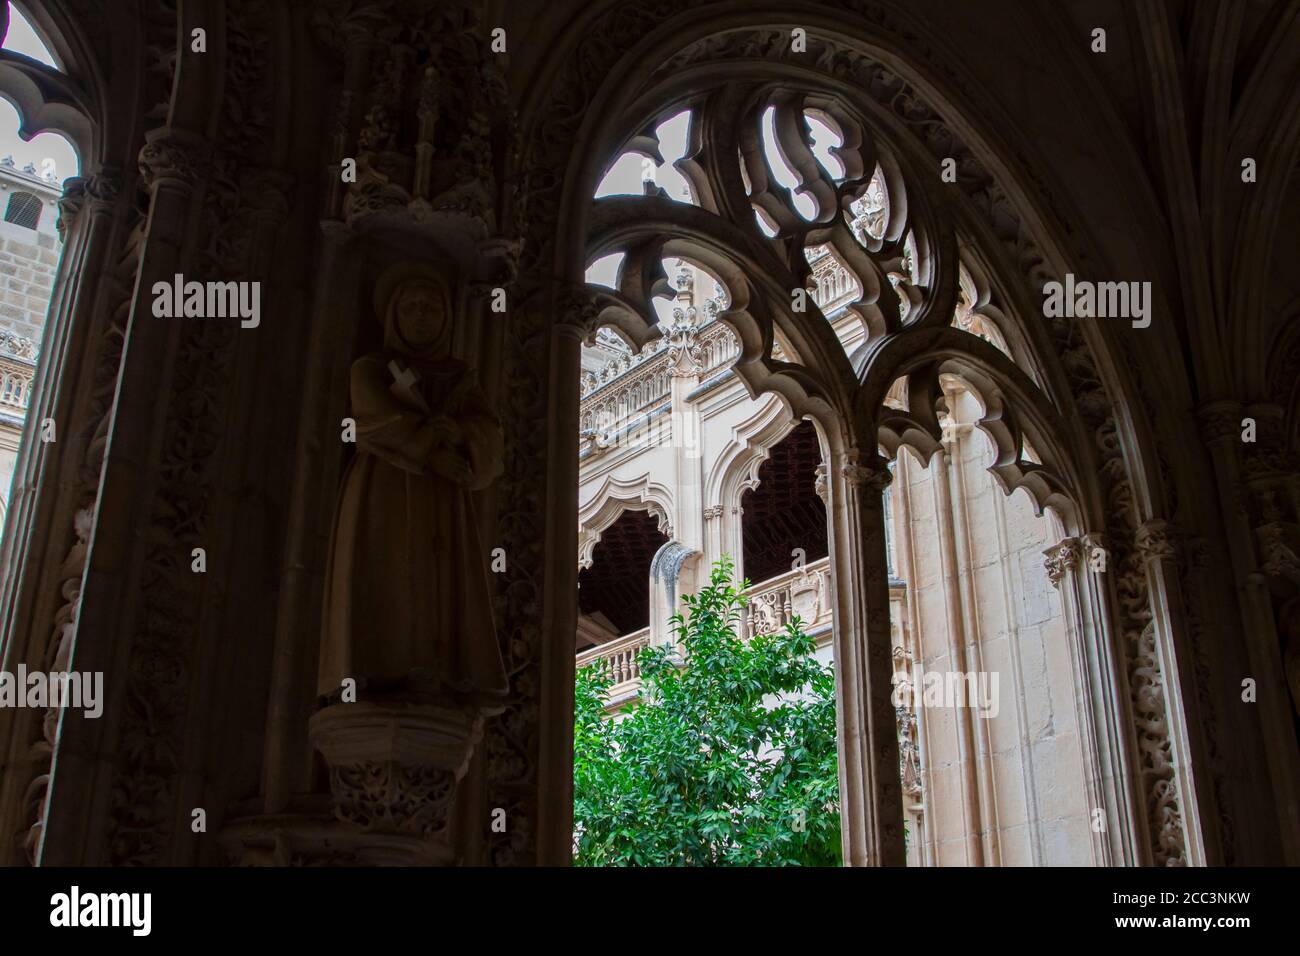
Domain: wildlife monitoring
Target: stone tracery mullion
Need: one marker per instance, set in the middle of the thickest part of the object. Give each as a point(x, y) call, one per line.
point(758, 281)
point(794, 144)
point(919, 425)
point(714, 170)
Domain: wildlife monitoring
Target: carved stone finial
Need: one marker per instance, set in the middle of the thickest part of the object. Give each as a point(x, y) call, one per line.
point(685, 357)
point(685, 279)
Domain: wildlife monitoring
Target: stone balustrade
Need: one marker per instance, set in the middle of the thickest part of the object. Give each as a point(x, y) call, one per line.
point(804, 593)
point(621, 658)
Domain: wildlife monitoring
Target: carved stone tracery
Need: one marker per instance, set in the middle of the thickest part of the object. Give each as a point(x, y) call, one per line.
point(397, 174)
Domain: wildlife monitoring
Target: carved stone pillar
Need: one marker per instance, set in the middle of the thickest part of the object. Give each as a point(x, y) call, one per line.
point(671, 574)
point(909, 745)
point(686, 362)
point(286, 753)
point(713, 539)
point(576, 320)
point(120, 630)
point(47, 530)
point(968, 749)
point(1244, 485)
point(870, 790)
point(1158, 551)
point(1102, 739)
point(955, 521)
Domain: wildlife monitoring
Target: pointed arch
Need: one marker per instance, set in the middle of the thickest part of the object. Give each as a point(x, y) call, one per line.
point(914, 113)
point(611, 499)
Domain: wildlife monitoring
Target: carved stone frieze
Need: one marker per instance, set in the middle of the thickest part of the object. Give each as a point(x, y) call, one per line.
point(1146, 678)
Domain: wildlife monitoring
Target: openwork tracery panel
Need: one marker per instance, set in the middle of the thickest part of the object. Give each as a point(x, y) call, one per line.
point(766, 194)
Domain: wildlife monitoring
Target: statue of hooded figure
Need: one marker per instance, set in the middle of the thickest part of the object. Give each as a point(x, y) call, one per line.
point(407, 603)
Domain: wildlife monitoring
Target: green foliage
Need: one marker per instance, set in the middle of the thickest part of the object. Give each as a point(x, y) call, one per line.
point(728, 759)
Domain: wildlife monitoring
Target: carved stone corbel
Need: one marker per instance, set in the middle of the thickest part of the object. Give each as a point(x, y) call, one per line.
point(94, 192)
point(1156, 540)
point(821, 486)
point(174, 157)
point(1061, 558)
point(577, 311)
point(394, 769)
point(875, 476)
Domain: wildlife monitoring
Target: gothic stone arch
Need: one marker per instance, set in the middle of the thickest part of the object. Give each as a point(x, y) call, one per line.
point(874, 59)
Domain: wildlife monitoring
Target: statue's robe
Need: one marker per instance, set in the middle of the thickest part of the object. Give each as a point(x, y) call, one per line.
point(407, 595)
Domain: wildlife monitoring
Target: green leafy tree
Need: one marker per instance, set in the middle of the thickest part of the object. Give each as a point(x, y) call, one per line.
point(727, 759)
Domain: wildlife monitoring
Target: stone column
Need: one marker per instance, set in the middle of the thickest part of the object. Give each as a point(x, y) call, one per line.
point(671, 574)
point(287, 759)
point(966, 740)
point(922, 840)
point(47, 530)
point(576, 320)
point(1105, 729)
point(714, 547)
point(871, 806)
point(954, 439)
point(1062, 562)
point(113, 618)
point(1156, 548)
point(685, 363)
point(1222, 428)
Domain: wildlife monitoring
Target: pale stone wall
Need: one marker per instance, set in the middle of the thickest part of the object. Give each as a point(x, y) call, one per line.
point(27, 264)
point(28, 257)
point(1006, 788)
